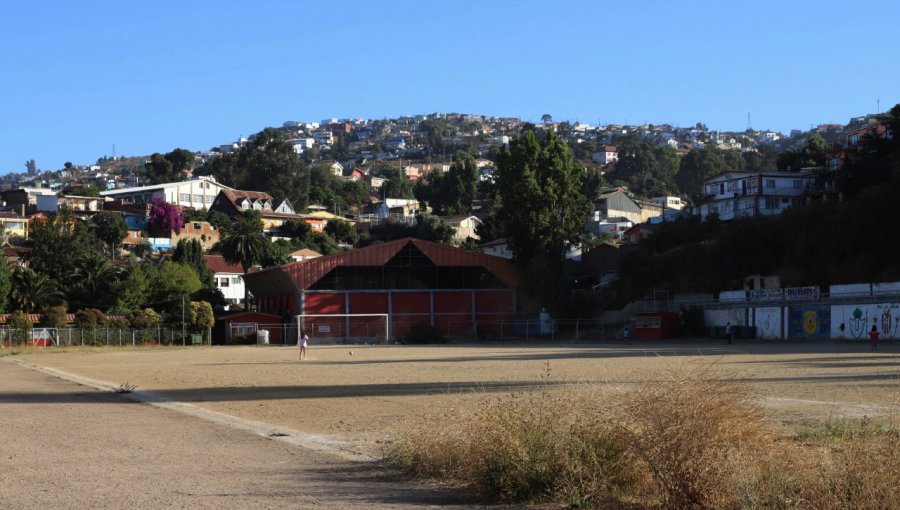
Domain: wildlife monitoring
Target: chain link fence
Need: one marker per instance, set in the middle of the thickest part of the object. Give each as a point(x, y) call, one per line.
point(68, 337)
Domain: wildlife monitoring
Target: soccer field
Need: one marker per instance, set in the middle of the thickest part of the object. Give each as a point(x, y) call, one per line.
point(363, 397)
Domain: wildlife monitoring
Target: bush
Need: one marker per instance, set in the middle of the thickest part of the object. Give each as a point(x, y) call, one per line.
point(21, 327)
point(539, 445)
point(423, 333)
point(54, 317)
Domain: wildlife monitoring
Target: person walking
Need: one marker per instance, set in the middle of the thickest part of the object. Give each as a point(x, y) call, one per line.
point(303, 341)
point(626, 334)
point(728, 332)
point(873, 337)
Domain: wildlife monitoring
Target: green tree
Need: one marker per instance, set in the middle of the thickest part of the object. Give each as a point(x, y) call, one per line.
point(432, 228)
point(32, 291)
point(173, 285)
point(111, 229)
point(202, 317)
point(246, 245)
point(542, 209)
point(342, 232)
point(169, 167)
point(59, 245)
point(696, 167)
point(93, 278)
point(133, 291)
point(397, 187)
point(268, 163)
point(5, 285)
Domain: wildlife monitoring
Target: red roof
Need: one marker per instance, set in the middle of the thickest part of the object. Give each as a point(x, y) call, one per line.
point(298, 276)
point(217, 264)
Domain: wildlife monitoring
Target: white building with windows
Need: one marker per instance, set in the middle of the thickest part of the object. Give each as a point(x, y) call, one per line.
point(734, 194)
point(228, 277)
point(197, 192)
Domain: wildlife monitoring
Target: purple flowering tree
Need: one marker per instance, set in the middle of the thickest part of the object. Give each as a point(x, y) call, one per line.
point(165, 217)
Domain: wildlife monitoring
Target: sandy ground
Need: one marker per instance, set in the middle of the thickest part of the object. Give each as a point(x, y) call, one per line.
point(67, 446)
point(363, 397)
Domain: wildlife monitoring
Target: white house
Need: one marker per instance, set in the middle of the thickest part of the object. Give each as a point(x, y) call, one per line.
point(463, 226)
point(228, 278)
point(734, 194)
point(498, 248)
point(302, 144)
point(323, 137)
point(669, 202)
point(197, 192)
point(607, 154)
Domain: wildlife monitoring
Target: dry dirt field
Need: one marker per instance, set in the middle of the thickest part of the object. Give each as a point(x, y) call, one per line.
point(362, 398)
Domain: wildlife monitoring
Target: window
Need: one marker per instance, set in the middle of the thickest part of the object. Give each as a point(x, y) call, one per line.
point(771, 203)
point(223, 282)
point(854, 139)
point(236, 280)
point(208, 199)
point(184, 197)
point(198, 199)
point(770, 183)
point(196, 226)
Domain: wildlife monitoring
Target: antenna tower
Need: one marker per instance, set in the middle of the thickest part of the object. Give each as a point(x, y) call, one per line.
point(749, 126)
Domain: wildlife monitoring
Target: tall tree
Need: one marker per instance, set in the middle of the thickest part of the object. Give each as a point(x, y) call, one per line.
point(268, 163)
point(696, 167)
point(111, 229)
point(58, 247)
point(245, 244)
point(5, 285)
point(542, 209)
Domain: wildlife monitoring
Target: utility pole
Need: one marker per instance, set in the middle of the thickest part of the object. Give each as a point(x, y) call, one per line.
point(182, 321)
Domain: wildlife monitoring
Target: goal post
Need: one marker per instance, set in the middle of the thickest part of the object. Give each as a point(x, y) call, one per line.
point(345, 327)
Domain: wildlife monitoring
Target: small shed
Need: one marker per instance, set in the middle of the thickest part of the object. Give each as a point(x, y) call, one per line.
point(656, 325)
point(242, 327)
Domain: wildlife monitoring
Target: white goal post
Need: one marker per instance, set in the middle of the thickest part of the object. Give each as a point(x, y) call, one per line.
point(345, 327)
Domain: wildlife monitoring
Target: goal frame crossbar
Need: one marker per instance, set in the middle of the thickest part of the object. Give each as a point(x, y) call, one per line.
point(303, 319)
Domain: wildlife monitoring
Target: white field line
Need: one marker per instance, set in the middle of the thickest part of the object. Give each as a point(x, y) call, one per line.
point(315, 442)
point(863, 407)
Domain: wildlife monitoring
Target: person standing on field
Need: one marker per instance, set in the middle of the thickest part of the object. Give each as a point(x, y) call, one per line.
point(728, 332)
point(303, 341)
point(873, 336)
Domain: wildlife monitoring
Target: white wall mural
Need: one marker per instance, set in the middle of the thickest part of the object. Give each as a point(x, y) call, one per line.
point(767, 322)
point(857, 321)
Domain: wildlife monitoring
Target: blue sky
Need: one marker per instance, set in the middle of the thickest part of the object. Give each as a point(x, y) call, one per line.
point(77, 78)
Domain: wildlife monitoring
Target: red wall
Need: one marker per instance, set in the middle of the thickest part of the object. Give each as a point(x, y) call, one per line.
point(368, 302)
point(323, 303)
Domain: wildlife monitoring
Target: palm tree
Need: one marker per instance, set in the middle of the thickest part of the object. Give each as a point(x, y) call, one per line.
point(33, 291)
point(246, 245)
point(93, 276)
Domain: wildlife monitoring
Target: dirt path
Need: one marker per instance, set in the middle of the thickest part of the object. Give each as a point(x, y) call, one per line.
point(64, 445)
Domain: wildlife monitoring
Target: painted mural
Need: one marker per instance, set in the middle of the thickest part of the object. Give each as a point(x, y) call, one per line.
point(767, 322)
point(811, 322)
point(857, 321)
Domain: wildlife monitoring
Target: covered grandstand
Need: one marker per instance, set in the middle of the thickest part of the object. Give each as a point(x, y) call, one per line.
point(401, 282)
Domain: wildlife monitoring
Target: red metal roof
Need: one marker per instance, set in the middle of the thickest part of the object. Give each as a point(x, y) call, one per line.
point(217, 264)
point(303, 274)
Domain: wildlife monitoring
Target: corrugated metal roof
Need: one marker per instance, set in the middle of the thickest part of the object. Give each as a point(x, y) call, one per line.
point(297, 276)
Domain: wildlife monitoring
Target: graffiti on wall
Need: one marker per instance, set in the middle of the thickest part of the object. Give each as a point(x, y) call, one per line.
point(809, 322)
point(768, 322)
point(859, 319)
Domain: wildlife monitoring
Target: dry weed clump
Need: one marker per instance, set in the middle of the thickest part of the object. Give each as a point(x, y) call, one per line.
point(860, 465)
point(688, 439)
point(693, 430)
point(545, 445)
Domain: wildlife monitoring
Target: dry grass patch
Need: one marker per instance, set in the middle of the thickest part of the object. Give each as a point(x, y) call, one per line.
point(689, 439)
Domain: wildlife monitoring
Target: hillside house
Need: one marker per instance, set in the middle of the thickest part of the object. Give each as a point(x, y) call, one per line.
point(196, 193)
point(606, 155)
point(463, 226)
point(735, 194)
point(235, 202)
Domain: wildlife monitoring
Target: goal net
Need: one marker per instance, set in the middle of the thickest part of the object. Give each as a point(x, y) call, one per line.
point(345, 328)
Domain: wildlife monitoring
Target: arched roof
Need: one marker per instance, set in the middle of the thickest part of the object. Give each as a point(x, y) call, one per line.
point(298, 276)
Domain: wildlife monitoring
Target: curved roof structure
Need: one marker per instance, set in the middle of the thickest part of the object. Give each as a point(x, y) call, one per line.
point(299, 276)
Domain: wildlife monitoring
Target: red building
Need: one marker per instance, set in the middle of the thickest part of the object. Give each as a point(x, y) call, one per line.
point(408, 280)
